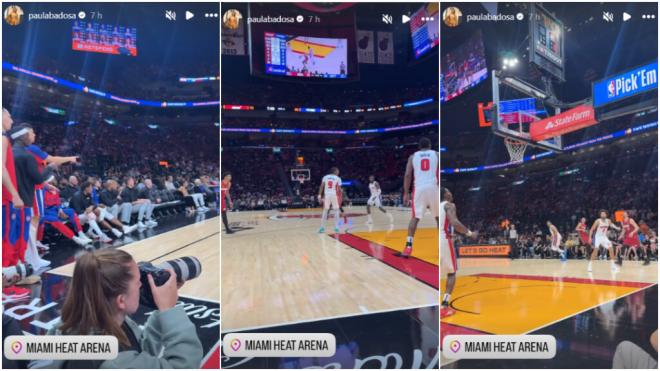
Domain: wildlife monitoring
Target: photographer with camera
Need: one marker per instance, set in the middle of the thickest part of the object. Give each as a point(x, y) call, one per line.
point(105, 290)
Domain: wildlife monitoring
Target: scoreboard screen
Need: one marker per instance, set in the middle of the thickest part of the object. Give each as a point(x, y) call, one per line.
point(424, 29)
point(104, 38)
point(546, 41)
point(463, 67)
point(304, 56)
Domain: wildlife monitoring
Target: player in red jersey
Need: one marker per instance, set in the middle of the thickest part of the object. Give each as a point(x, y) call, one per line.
point(629, 229)
point(43, 159)
point(224, 195)
point(11, 200)
point(55, 215)
point(27, 177)
point(581, 229)
point(583, 236)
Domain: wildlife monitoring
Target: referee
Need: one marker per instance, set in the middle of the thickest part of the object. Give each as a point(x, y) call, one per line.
point(513, 240)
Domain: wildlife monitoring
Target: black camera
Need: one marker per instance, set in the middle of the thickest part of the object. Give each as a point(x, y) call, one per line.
point(186, 268)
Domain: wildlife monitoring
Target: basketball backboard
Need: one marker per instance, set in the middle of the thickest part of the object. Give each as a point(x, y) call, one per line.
point(516, 105)
point(300, 175)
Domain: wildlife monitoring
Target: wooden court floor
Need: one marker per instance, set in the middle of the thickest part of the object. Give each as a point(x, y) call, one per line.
point(277, 269)
point(500, 296)
point(198, 239)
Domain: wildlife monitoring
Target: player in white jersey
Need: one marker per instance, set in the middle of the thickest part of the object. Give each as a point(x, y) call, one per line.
point(555, 240)
point(424, 166)
point(329, 191)
point(447, 254)
point(601, 226)
point(374, 200)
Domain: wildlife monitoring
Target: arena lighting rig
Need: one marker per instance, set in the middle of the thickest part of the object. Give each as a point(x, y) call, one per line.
point(98, 93)
point(585, 144)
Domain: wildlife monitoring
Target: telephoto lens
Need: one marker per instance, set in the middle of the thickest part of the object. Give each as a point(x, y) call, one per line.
point(186, 268)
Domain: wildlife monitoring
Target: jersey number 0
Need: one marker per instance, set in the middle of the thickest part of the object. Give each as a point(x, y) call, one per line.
point(425, 164)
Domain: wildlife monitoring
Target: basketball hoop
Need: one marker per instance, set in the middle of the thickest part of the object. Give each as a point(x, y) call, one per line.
point(301, 178)
point(516, 149)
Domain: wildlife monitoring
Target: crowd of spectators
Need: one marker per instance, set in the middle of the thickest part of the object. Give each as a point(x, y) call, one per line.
point(136, 81)
point(261, 179)
point(169, 166)
point(616, 182)
point(285, 94)
point(115, 150)
point(467, 147)
point(324, 123)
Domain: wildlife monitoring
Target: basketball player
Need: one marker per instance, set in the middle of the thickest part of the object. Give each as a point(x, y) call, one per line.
point(581, 229)
point(341, 201)
point(28, 175)
point(601, 226)
point(555, 240)
point(55, 215)
point(43, 159)
point(374, 200)
point(224, 195)
point(629, 229)
point(424, 166)
point(653, 245)
point(106, 218)
point(11, 200)
point(329, 193)
point(447, 254)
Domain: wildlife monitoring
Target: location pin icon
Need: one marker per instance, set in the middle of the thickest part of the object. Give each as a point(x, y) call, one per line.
point(16, 347)
point(235, 344)
point(455, 346)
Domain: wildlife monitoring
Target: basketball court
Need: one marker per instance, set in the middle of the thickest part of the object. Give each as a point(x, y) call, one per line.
point(198, 239)
point(280, 275)
point(277, 269)
point(539, 106)
point(502, 296)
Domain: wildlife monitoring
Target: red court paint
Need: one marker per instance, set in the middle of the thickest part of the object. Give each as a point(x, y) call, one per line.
point(212, 360)
point(417, 268)
point(566, 279)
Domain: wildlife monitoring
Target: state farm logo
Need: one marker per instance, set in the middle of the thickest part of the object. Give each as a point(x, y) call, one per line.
point(568, 119)
point(574, 119)
point(611, 89)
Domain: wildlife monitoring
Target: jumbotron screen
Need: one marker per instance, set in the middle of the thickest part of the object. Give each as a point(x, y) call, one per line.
point(104, 38)
point(463, 67)
point(424, 32)
point(547, 41)
point(303, 56)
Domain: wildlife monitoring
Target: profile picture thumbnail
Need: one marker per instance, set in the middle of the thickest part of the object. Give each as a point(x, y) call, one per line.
point(13, 15)
point(452, 16)
point(231, 19)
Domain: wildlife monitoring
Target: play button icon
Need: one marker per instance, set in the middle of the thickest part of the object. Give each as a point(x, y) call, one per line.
point(626, 16)
point(189, 14)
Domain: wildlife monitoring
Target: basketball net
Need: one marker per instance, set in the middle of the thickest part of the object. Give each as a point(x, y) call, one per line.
point(301, 179)
point(516, 149)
